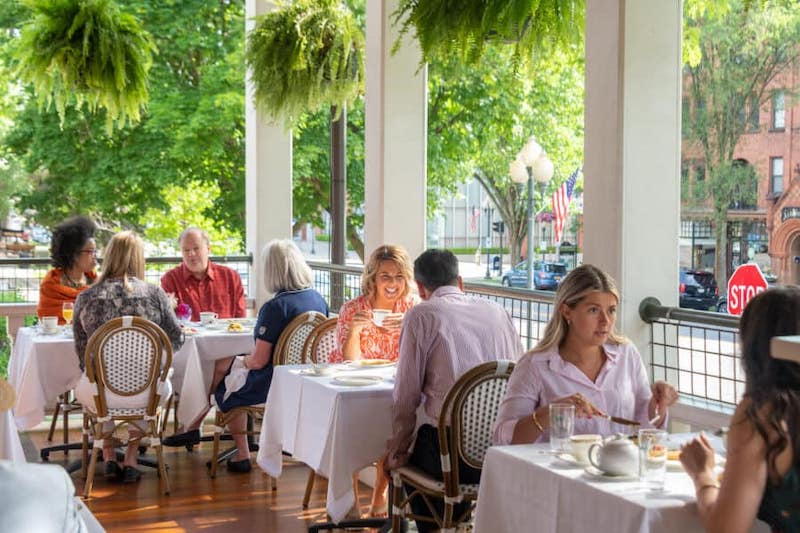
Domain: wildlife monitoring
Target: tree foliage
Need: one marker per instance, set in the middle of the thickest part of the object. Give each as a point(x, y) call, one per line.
point(76, 51)
point(742, 51)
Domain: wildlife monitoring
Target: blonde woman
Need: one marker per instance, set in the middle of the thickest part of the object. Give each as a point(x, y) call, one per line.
point(385, 285)
point(120, 290)
point(581, 360)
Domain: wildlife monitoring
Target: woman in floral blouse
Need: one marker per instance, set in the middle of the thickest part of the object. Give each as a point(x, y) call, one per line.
point(386, 285)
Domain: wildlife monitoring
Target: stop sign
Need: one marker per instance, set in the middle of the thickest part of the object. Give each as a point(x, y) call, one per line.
point(746, 282)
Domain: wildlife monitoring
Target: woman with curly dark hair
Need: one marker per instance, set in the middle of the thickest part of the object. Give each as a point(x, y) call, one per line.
point(762, 470)
point(72, 253)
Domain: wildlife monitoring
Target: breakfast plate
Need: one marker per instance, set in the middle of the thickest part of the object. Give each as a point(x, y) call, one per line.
point(599, 475)
point(356, 381)
point(371, 363)
point(570, 459)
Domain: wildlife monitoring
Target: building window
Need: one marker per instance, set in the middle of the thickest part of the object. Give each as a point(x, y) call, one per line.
point(699, 172)
point(752, 120)
point(779, 110)
point(685, 118)
point(776, 173)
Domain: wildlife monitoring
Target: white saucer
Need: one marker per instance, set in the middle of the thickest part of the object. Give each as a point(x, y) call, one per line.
point(50, 333)
point(569, 458)
point(596, 474)
point(356, 381)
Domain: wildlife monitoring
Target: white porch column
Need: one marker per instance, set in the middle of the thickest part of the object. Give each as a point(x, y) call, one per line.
point(268, 176)
point(632, 151)
point(396, 129)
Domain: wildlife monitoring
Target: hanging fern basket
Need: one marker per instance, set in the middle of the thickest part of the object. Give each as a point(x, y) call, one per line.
point(86, 51)
point(462, 28)
point(303, 56)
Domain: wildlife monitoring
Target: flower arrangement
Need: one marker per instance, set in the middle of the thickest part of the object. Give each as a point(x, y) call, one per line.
point(183, 311)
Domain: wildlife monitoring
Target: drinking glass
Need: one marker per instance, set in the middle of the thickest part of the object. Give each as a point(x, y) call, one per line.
point(562, 425)
point(66, 312)
point(653, 458)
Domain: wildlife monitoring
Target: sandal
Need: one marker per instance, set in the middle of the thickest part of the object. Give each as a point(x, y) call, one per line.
point(378, 512)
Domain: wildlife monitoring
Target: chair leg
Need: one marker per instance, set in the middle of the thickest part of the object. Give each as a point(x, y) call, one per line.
point(87, 488)
point(55, 419)
point(85, 447)
point(309, 487)
point(397, 500)
point(65, 427)
point(219, 424)
point(162, 470)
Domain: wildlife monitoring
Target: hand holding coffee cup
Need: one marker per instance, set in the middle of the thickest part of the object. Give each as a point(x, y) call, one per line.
point(379, 315)
point(208, 317)
point(49, 324)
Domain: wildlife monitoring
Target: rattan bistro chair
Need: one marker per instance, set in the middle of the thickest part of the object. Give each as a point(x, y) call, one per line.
point(465, 431)
point(291, 346)
point(125, 357)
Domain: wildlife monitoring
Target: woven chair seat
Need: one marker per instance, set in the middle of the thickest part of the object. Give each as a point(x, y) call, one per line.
point(421, 479)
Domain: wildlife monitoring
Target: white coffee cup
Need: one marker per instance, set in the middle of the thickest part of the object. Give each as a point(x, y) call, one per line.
point(208, 317)
point(50, 324)
point(581, 444)
point(378, 315)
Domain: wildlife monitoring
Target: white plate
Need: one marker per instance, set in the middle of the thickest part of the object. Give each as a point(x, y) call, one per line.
point(674, 466)
point(316, 373)
point(569, 458)
point(594, 473)
point(50, 333)
point(356, 381)
point(360, 364)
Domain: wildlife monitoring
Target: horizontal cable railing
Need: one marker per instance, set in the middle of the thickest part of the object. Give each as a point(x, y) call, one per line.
point(20, 277)
point(530, 310)
point(697, 352)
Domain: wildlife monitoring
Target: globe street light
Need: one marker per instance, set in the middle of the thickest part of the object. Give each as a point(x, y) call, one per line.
point(531, 163)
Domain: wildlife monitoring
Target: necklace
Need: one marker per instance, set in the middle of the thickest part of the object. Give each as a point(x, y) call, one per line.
point(69, 282)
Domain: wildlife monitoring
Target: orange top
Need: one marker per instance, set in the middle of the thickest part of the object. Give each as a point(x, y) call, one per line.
point(376, 343)
point(52, 293)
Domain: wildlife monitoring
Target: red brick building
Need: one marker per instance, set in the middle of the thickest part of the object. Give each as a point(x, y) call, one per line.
point(768, 230)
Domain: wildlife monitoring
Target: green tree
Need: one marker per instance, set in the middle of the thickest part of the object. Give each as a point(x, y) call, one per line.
point(740, 53)
point(481, 116)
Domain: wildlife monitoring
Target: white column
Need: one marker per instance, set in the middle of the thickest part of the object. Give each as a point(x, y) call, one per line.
point(396, 129)
point(632, 151)
point(268, 176)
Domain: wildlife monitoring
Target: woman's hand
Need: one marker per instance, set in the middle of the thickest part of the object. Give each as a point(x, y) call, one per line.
point(697, 458)
point(583, 407)
point(392, 321)
point(664, 395)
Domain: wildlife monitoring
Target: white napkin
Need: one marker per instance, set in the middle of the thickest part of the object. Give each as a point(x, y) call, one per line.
point(237, 377)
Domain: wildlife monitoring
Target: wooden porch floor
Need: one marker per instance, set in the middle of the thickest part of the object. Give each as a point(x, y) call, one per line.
point(231, 502)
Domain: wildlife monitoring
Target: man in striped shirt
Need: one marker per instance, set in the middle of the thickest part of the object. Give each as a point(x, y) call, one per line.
point(442, 337)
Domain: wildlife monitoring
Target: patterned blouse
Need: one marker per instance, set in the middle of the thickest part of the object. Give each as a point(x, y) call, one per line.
point(375, 342)
point(110, 299)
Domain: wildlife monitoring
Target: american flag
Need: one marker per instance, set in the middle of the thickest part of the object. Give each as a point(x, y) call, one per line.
point(560, 201)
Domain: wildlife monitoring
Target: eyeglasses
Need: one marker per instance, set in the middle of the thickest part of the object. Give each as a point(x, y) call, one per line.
point(92, 251)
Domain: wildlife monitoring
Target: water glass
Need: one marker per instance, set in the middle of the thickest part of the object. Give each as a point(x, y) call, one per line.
point(652, 458)
point(562, 425)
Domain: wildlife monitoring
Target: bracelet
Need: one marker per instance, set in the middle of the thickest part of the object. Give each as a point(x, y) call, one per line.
point(707, 486)
point(535, 421)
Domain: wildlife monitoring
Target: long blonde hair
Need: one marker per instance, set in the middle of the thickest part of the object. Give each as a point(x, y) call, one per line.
point(387, 252)
point(575, 287)
point(123, 258)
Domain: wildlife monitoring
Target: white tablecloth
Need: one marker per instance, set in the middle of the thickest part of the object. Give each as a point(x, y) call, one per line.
point(43, 366)
point(10, 445)
point(194, 367)
point(524, 485)
point(336, 430)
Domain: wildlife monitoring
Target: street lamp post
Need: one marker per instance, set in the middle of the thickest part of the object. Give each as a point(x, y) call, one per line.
point(531, 164)
point(487, 208)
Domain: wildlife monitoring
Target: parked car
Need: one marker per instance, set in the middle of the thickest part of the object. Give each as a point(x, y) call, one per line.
point(546, 276)
point(698, 290)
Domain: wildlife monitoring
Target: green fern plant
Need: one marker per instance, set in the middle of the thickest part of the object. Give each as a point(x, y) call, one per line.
point(86, 51)
point(463, 27)
point(304, 55)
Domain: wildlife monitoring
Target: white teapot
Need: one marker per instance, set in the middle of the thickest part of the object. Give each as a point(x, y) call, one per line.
point(617, 456)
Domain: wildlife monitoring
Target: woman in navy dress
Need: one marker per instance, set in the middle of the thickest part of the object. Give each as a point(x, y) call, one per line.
point(287, 275)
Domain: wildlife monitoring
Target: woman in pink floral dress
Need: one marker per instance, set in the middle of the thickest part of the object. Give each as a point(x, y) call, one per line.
point(385, 285)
